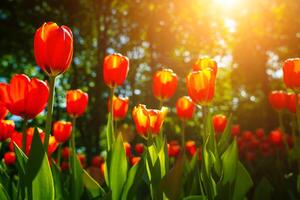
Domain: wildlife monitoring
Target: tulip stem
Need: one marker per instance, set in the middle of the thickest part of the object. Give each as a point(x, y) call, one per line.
point(281, 121)
point(24, 138)
point(110, 122)
point(73, 134)
point(297, 111)
point(183, 134)
point(50, 110)
point(59, 154)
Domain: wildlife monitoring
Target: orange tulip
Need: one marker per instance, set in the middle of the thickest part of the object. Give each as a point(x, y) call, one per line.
point(53, 48)
point(24, 97)
point(205, 62)
point(135, 160)
point(141, 119)
point(291, 73)
point(62, 130)
point(278, 100)
point(185, 107)
point(7, 127)
point(219, 122)
point(201, 86)
point(148, 120)
point(9, 158)
point(164, 84)
point(120, 107)
point(190, 147)
point(76, 102)
point(115, 69)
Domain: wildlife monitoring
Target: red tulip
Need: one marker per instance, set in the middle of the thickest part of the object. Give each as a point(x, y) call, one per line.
point(62, 130)
point(64, 166)
point(247, 135)
point(9, 158)
point(260, 133)
point(139, 148)
point(190, 147)
point(173, 150)
point(24, 97)
point(76, 102)
point(53, 48)
point(135, 160)
point(3, 109)
point(204, 63)
point(164, 84)
point(291, 73)
point(278, 100)
point(127, 148)
point(148, 120)
point(219, 122)
point(53, 144)
point(201, 86)
point(65, 153)
point(97, 161)
point(82, 159)
point(7, 127)
point(115, 69)
point(185, 107)
point(276, 137)
point(291, 102)
point(120, 107)
point(235, 130)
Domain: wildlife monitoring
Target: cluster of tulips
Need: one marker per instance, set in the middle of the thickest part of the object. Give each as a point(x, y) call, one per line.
point(202, 169)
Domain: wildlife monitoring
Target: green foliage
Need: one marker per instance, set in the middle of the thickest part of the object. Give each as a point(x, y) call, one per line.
point(263, 190)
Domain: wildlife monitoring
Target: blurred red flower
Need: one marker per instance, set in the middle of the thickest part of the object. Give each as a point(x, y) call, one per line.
point(219, 122)
point(9, 158)
point(291, 73)
point(7, 127)
point(76, 102)
point(62, 131)
point(278, 100)
point(185, 107)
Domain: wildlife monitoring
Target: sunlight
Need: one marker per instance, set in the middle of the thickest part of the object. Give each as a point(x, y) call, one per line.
point(227, 3)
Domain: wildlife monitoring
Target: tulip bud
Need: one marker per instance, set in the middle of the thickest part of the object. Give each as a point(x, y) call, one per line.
point(185, 107)
point(62, 131)
point(139, 148)
point(278, 100)
point(291, 73)
point(7, 127)
point(9, 158)
point(120, 107)
point(204, 63)
point(219, 122)
point(190, 147)
point(76, 102)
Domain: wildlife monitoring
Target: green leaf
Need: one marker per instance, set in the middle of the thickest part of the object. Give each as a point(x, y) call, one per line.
point(21, 159)
point(57, 181)
point(263, 190)
point(92, 186)
point(117, 168)
point(134, 178)
point(225, 137)
point(3, 193)
point(229, 162)
point(38, 176)
point(195, 197)
point(76, 177)
point(171, 184)
point(243, 182)
point(298, 183)
point(109, 132)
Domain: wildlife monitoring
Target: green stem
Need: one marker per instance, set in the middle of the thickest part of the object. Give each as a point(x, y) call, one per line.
point(50, 110)
point(204, 113)
point(110, 122)
point(281, 121)
point(73, 135)
point(59, 154)
point(183, 134)
point(24, 138)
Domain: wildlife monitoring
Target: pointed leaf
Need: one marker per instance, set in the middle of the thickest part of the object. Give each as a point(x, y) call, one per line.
point(229, 163)
point(263, 190)
point(92, 186)
point(243, 182)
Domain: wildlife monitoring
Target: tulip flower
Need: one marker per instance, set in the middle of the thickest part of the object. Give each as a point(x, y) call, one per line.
point(291, 73)
point(260, 133)
point(291, 102)
point(278, 100)
point(148, 120)
point(139, 148)
point(190, 147)
point(127, 148)
point(219, 122)
point(115, 69)
point(164, 84)
point(247, 135)
point(65, 153)
point(3, 110)
point(276, 137)
point(97, 161)
point(24, 97)
point(53, 48)
point(134, 160)
point(120, 107)
point(9, 158)
point(205, 62)
point(62, 131)
point(201, 86)
point(185, 107)
point(173, 150)
point(7, 127)
point(235, 130)
point(64, 166)
point(76, 102)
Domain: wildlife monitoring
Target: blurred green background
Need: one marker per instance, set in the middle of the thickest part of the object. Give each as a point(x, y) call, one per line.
point(248, 38)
